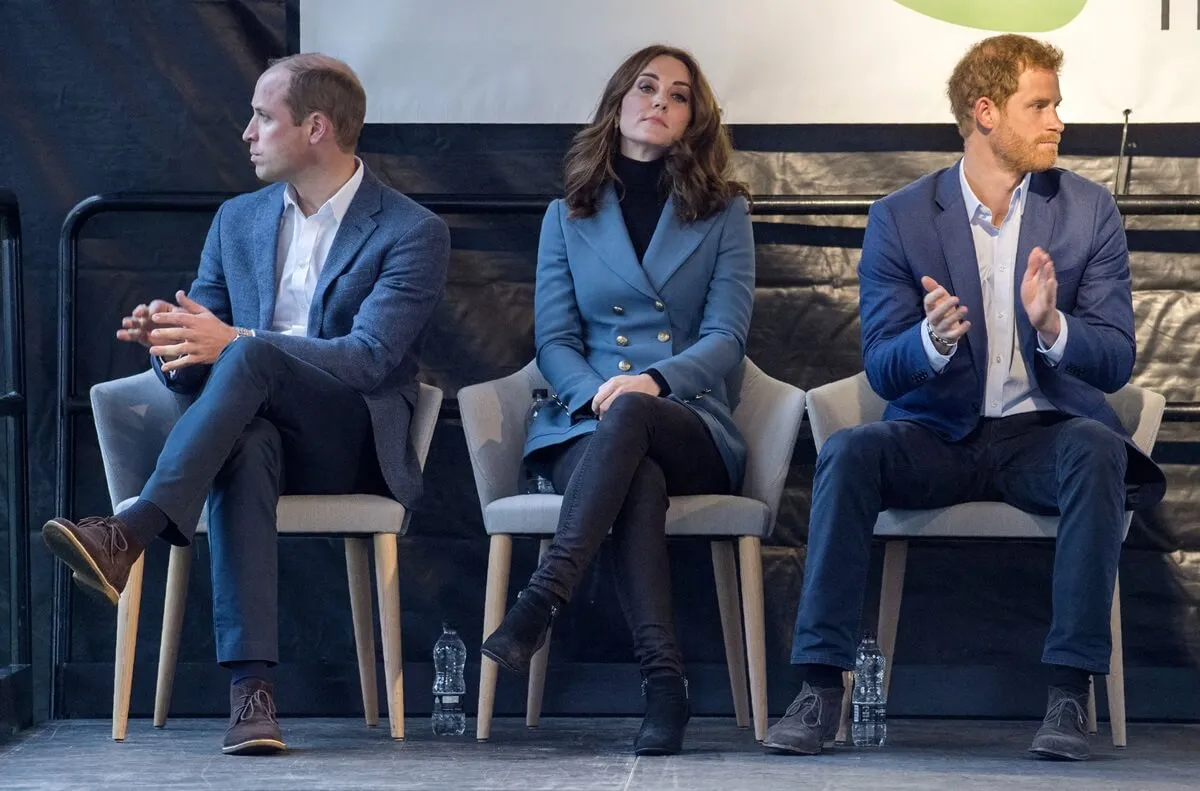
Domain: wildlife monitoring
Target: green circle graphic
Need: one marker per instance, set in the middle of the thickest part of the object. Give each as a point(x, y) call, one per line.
point(1010, 16)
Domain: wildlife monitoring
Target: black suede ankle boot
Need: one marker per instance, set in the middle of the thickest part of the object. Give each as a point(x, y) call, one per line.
point(522, 632)
point(667, 714)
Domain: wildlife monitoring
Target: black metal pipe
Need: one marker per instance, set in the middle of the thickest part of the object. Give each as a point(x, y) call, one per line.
point(13, 405)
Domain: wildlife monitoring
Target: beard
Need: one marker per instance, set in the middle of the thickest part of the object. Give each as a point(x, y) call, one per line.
point(1022, 155)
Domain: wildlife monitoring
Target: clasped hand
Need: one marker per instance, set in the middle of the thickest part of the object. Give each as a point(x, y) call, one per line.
point(182, 335)
point(625, 383)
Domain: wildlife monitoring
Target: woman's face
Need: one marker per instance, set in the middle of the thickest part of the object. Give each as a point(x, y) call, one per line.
point(656, 109)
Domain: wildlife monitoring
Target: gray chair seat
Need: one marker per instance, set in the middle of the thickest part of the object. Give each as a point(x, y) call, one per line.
point(327, 514)
point(707, 515)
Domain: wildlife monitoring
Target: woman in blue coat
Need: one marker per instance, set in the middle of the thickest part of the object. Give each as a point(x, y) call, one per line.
point(645, 285)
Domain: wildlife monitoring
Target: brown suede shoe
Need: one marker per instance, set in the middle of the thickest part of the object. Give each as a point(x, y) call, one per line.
point(100, 550)
point(253, 729)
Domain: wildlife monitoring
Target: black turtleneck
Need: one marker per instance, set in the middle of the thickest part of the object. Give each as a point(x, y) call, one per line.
point(643, 196)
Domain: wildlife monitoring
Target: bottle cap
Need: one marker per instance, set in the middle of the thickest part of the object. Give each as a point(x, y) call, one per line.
point(541, 393)
point(447, 626)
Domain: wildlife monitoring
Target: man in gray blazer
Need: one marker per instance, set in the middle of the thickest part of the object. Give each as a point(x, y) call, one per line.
point(298, 340)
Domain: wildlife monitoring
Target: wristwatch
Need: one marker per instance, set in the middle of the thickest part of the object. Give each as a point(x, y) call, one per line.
point(242, 332)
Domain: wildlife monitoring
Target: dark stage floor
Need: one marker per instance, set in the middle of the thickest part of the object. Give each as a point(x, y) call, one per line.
point(583, 754)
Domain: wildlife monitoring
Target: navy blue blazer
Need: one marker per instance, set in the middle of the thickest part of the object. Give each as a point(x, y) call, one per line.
point(923, 229)
point(684, 311)
point(383, 277)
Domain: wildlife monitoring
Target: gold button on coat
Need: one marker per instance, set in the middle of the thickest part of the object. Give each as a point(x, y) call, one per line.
point(659, 306)
point(624, 365)
point(622, 340)
point(664, 336)
point(617, 309)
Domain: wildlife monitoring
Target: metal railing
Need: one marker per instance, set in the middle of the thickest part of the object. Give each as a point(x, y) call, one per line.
point(13, 408)
point(72, 404)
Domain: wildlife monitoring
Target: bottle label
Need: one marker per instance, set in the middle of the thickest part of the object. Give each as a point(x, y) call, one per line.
point(449, 698)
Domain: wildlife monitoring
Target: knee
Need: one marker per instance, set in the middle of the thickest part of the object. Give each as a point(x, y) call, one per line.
point(248, 355)
point(1090, 445)
point(628, 411)
point(852, 448)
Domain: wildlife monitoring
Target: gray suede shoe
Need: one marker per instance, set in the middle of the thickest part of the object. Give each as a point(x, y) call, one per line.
point(1063, 735)
point(809, 724)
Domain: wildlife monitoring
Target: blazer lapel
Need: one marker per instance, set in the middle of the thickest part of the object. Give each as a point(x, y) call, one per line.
point(606, 234)
point(266, 252)
point(954, 232)
point(354, 229)
point(672, 243)
point(1037, 229)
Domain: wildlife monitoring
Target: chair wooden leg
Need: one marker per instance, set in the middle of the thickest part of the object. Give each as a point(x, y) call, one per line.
point(537, 667)
point(496, 597)
point(1116, 672)
point(128, 608)
point(387, 580)
point(843, 732)
point(750, 550)
point(891, 592)
point(179, 569)
point(725, 574)
point(358, 575)
point(1092, 726)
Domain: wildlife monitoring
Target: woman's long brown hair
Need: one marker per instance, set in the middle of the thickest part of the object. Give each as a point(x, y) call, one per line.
point(696, 165)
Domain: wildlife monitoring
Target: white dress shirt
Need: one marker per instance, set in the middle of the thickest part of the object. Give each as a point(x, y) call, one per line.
point(302, 246)
point(1011, 387)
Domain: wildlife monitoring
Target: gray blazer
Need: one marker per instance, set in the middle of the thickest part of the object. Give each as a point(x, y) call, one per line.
point(385, 273)
point(684, 311)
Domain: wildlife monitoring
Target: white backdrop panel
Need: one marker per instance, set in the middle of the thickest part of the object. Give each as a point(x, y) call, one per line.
point(771, 61)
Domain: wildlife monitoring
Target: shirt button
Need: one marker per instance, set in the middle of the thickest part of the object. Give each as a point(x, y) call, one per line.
point(622, 340)
point(659, 306)
point(664, 336)
point(999, 359)
point(995, 405)
point(624, 365)
point(617, 309)
point(1002, 315)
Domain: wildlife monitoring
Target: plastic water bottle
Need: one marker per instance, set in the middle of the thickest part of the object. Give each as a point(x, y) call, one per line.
point(869, 724)
point(534, 483)
point(449, 685)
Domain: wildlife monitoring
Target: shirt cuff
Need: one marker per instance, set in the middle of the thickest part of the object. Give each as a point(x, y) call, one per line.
point(664, 389)
point(1055, 353)
point(937, 360)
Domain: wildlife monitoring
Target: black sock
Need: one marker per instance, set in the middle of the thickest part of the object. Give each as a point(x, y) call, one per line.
point(1071, 679)
point(250, 669)
point(822, 676)
point(145, 520)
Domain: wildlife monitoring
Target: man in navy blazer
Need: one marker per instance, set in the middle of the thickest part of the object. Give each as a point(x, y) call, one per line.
point(996, 311)
point(298, 340)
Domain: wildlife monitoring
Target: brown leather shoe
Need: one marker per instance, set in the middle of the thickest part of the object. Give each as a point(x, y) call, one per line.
point(253, 728)
point(100, 550)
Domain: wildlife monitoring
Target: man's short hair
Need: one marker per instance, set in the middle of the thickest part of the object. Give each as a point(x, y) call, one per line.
point(992, 68)
point(321, 84)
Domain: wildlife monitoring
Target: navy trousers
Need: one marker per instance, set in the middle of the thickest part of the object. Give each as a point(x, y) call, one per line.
point(265, 424)
point(1041, 462)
